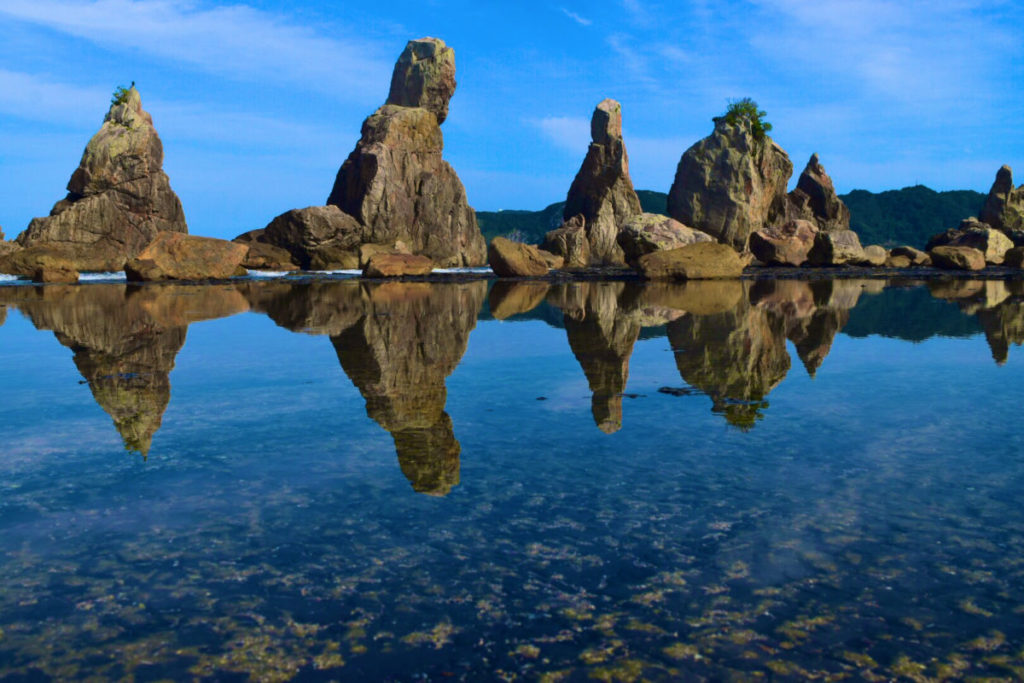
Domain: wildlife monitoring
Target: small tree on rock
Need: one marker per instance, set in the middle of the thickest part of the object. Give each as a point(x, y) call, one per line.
point(745, 112)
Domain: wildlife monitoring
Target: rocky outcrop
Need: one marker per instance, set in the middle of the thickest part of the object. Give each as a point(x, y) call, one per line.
point(835, 249)
point(730, 184)
point(815, 199)
point(1004, 207)
point(957, 258)
point(119, 198)
point(700, 261)
point(515, 259)
point(317, 237)
point(397, 265)
point(569, 242)
point(174, 256)
point(408, 339)
point(973, 233)
point(787, 244)
point(650, 232)
point(395, 183)
point(602, 191)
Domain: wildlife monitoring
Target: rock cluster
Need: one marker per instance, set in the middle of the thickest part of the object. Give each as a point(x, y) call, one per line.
point(1004, 207)
point(119, 198)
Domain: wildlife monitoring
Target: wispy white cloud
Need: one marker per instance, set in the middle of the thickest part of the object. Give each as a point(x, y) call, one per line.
point(582, 21)
point(34, 97)
point(570, 133)
point(234, 40)
point(634, 60)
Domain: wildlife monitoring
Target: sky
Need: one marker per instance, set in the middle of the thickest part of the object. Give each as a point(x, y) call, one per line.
point(259, 102)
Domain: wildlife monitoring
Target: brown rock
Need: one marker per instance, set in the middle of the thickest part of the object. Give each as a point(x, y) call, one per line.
point(731, 184)
point(916, 256)
point(395, 183)
point(515, 259)
point(67, 275)
point(701, 261)
point(176, 256)
point(366, 251)
point(602, 191)
point(875, 255)
point(897, 262)
point(424, 76)
point(957, 258)
point(317, 236)
point(815, 199)
point(1004, 206)
point(397, 265)
point(263, 256)
point(650, 232)
point(973, 233)
point(1014, 258)
point(570, 242)
point(553, 261)
point(26, 262)
point(119, 199)
point(835, 248)
point(785, 245)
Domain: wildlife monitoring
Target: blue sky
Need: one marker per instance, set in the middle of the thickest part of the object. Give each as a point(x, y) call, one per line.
point(259, 103)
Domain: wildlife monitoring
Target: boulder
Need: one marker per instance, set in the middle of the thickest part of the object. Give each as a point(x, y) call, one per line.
point(973, 233)
point(263, 256)
point(570, 242)
point(784, 245)
point(730, 184)
point(650, 232)
point(395, 183)
point(26, 262)
point(176, 256)
point(815, 199)
point(957, 258)
point(1004, 206)
point(1014, 258)
point(602, 191)
point(515, 259)
point(119, 198)
point(835, 249)
point(915, 256)
point(875, 255)
point(367, 251)
point(58, 274)
point(397, 265)
point(897, 262)
point(317, 237)
point(700, 261)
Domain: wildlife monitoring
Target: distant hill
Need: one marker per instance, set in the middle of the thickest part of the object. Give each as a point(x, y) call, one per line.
point(890, 218)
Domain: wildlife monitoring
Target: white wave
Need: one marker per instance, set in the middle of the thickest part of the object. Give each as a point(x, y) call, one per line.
point(476, 270)
point(102, 277)
point(8, 278)
point(267, 274)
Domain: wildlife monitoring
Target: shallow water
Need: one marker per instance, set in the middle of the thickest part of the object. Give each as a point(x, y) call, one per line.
point(340, 480)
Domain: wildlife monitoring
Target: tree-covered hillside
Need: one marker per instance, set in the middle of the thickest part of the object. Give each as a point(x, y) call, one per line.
point(891, 218)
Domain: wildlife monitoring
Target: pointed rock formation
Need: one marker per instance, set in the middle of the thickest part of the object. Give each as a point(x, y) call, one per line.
point(731, 184)
point(602, 191)
point(1004, 207)
point(119, 198)
point(815, 199)
point(396, 183)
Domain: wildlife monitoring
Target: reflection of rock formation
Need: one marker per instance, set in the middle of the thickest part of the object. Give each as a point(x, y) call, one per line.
point(398, 354)
point(998, 305)
point(601, 337)
point(513, 298)
point(125, 342)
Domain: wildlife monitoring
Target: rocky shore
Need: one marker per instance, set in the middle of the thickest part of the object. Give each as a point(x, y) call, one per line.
point(398, 209)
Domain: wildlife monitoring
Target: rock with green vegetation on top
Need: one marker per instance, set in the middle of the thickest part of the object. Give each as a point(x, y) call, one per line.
point(119, 198)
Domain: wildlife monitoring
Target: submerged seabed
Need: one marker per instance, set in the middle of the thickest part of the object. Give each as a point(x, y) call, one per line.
point(512, 480)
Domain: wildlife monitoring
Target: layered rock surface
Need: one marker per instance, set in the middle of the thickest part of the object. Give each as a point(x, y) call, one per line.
point(815, 199)
point(119, 198)
point(602, 191)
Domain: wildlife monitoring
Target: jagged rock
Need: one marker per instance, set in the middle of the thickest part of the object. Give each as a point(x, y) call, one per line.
point(317, 237)
point(815, 199)
point(731, 184)
point(915, 256)
point(784, 245)
point(395, 183)
point(835, 248)
point(7, 248)
point(1004, 207)
point(512, 298)
point(957, 258)
point(119, 199)
point(397, 265)
point(602, 191)
point(176, 256)
point(973, 233)
point(515, 259)
point(700, 261)
point(875, 255)
point(570, 242)
point(650, 232)
point(1014, 258)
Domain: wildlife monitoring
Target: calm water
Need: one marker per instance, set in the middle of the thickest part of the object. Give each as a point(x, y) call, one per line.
point(412, 481)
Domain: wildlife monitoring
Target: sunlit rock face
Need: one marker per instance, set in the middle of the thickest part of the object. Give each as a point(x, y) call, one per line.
point(410, 337)
point(125, 341)
point(601, 336)
point(119, 197)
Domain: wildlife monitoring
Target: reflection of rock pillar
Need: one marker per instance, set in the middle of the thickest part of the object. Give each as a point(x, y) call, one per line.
point(398, 355)
point(602, 340)
point(1003, 325)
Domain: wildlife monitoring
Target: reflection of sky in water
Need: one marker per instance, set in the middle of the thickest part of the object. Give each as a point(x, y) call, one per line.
point(868, 524)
